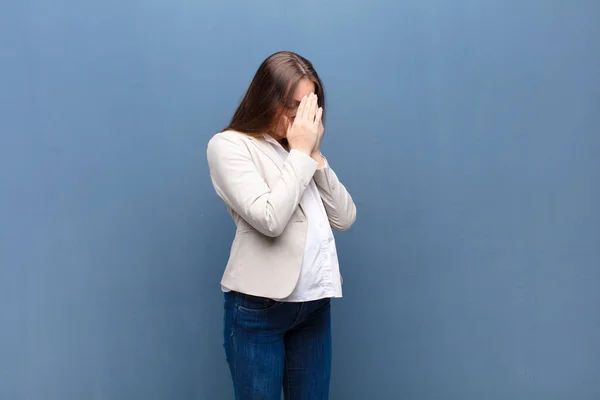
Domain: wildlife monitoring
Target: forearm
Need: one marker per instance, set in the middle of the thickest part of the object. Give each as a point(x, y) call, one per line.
point(338, 203)
point(239, 184)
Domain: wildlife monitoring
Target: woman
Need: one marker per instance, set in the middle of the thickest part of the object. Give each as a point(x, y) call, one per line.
point(283, 267)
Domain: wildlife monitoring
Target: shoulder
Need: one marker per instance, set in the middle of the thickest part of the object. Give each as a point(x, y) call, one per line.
point(227, 141)
point(228, 137)
point(230, 146)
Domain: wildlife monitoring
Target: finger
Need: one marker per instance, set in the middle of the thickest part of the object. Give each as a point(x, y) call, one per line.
point(318, 116)
point(312, 110)
point(301, 114)
point(301, 107)
point(307, 106)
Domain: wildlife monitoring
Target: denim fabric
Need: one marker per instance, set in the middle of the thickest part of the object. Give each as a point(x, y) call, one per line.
point(272, 345)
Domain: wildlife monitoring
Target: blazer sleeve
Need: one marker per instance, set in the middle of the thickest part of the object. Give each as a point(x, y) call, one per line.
point(238, 182)
point(338, 203)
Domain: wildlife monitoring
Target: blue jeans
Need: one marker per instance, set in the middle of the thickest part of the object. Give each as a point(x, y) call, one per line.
point(272, 345)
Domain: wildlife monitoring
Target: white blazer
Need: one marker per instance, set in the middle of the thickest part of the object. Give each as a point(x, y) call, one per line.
point(262, 193)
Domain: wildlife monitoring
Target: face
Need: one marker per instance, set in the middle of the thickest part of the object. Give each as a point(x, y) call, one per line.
point(304, 88)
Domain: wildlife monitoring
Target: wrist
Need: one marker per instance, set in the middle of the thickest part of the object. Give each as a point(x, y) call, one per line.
point(304, 150)
point(318, 157)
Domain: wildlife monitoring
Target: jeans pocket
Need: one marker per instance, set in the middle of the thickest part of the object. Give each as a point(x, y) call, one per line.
point(256, 305)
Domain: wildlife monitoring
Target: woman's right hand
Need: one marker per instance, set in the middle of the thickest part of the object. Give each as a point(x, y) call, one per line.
point(303, 133)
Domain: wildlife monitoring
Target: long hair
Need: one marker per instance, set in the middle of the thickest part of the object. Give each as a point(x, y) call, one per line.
point(270, 93)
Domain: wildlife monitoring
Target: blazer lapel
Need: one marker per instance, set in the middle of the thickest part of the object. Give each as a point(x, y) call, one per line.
point(268, 149)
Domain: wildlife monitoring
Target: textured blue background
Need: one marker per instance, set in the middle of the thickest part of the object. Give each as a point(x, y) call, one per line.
point(467, 131)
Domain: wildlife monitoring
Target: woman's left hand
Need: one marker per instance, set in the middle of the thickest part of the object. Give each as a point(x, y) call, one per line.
point(316, 153)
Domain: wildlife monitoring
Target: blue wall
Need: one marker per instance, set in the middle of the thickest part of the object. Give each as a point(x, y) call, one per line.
point(467, 131)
